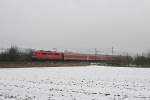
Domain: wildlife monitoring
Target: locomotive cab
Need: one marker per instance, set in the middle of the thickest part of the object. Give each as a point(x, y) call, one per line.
point(47, 55)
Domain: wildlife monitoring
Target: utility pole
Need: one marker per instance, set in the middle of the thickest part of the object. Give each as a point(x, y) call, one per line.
point(142, 54)
point(95, 53)
point(112, 50)
point(127, 59)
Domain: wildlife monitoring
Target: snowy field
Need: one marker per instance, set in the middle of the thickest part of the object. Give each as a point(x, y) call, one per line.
point(75, 83)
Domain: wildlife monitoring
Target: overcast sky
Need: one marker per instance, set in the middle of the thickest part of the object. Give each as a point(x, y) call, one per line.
point(76, 24)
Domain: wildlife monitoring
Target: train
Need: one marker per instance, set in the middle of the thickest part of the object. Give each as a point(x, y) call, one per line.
point(61, 56)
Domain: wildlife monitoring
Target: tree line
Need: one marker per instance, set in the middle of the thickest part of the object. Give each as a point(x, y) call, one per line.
point(14, 54)
point(142, 60)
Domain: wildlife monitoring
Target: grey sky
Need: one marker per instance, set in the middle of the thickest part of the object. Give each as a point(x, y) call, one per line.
point(76, 24)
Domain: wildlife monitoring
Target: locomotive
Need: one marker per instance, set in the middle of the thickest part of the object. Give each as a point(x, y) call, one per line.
point(60, 56)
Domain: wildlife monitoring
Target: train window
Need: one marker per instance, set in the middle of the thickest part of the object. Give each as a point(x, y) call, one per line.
point(44, 53)
point(56, 54)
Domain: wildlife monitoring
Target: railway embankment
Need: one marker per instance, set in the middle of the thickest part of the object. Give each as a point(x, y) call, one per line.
point(40, 64)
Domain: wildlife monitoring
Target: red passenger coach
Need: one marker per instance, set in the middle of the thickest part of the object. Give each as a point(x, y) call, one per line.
point(91, 57)
point(72, 56)
point(79, 57)
point(104, 58)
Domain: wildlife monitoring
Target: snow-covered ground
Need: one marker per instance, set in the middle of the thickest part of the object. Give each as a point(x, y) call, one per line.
point(75, 83)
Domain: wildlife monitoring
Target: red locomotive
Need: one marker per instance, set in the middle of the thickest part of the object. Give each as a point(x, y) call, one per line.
point(48, 55)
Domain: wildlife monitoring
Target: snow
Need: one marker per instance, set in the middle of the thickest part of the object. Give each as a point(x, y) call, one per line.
point(75, 83)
